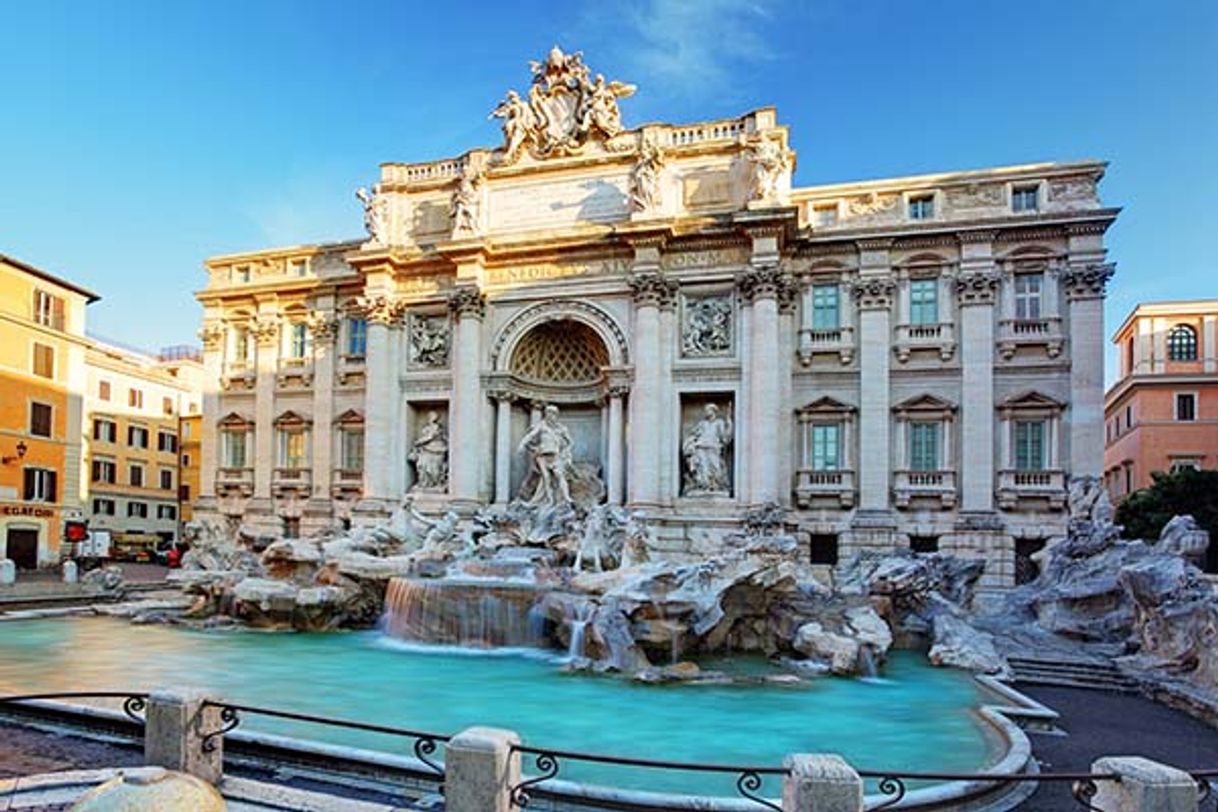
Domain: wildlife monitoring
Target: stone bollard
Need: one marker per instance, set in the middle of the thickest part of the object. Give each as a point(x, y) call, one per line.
point(1145, 786)
point(8, 572)
point(69, 572)
point(480, 769)
point(176, 722)
point(820, 783)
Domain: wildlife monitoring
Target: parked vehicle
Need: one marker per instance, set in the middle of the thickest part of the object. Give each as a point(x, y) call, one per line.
point(169, 553)
point(94, 550)
point(139, 547)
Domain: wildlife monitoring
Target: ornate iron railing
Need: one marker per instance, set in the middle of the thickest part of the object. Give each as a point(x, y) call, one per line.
point(425, 744)
point(891, 785)
point(547, 762)
point(134, 703)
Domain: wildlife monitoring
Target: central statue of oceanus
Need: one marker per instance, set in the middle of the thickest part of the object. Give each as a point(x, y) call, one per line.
point(565, 109)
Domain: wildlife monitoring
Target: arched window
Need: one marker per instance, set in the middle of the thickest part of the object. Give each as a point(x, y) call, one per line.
point(1182, 343)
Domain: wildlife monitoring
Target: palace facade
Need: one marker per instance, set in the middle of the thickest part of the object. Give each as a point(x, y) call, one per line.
point(914, 361)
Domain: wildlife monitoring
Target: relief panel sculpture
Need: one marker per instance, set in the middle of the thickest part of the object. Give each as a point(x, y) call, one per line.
point(707, 329)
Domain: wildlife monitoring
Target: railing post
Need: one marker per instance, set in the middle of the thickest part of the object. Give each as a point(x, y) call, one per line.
point(8, 571)
point(480, 769)
point(1144, 786)
point(820, 783)
point(176, 724)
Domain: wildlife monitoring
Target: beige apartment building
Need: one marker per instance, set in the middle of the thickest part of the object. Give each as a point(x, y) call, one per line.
point(901, 362)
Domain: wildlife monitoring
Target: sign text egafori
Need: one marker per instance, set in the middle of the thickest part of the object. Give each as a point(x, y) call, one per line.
point(26, 510)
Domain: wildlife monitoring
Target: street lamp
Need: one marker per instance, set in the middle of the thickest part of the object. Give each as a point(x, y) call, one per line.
point(21, 449)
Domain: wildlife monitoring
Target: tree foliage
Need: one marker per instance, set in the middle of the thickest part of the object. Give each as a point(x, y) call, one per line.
point(1145, 512)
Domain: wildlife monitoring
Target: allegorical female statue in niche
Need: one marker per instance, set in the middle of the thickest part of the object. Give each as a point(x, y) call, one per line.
point(705, 451)
point(430, 454)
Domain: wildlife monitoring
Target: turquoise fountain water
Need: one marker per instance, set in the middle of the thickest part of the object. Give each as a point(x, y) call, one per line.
point(916, 718)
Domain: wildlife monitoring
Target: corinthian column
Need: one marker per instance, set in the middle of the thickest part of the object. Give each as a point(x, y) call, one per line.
point(874, 296)
point(1085, 286)
point(266, 333)
point(651, 290)
point(212, 335)
point(975, 291)
point(466, 451)
point(380, 398)
point(324, 329)
point(503, 446)
point(760, 289)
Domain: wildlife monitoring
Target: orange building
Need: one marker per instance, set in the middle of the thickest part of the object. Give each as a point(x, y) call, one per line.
point(1162, 414)
point(42, 379)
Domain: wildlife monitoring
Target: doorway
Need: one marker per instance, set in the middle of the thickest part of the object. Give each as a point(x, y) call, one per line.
point(22, 547)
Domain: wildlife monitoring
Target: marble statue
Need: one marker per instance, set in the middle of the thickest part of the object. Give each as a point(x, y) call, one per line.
point(645, 182)
point(708, 326)
point(549, 445)
point(564, 109)
point(465, 205)
point(376, 214)
point(768, 164)
point(636, 547)
point(429, 341)
point(595, 542)
point(704, 449)
point(430, 454)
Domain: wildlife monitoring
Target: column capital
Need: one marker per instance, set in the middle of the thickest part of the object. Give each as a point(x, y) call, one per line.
point(501, 394)
point(977, 288)
point(875, 293)
point(769, 282)
point(467, 300)
point(322, 326)
point(212, 336)
point(1087, 281)
point(265, 330)
point(652, 289)
point(379, 309)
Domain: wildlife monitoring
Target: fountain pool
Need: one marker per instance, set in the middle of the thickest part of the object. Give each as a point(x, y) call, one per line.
point(916, 718)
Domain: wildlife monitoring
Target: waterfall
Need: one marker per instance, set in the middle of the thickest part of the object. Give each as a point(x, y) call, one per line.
point(472, 614)
point(867, 662)
point(578, 627)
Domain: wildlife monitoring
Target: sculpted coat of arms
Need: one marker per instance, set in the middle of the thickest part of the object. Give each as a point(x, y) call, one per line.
point(565, 108)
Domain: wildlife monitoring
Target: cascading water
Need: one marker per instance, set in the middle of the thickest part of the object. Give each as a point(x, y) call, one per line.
point(475, 614)
point(579, 629)
point(867, 667)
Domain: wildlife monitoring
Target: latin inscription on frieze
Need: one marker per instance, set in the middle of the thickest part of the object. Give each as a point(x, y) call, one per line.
point(711, 258)
point(516, 274)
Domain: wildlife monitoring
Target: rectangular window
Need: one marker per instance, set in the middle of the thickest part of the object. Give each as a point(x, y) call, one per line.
point(357, 337)
point(298, 267)
point(1025, 198)
point(137, 437)
point(292, 449)
point(824, 215)
point(922, 207)
point(825, 307)
point(1027, 296)
point(234, 449)
point(924, 301)
point(135, 476)
point(166, 441)
point(1129, 417)
point(167, 405)
point(241, 345)
point(1186, 406)
point(1185, 464)
point(137, 510)
point(185, 460)
point(103, 390)
point(826, 450)
point(184, 493)
point(1030, 445)
point(352, 449)
point(48, 310)
point(166, 479)
point(104, 471)
point(135, 398)
point(924, 446)
point(39, 485)
point(44, 360)
point(186, 431)
point(40, 419)
point(105, 431)
point(241, 273)
point(166, 512)
point(103, 507)
point(298, 340)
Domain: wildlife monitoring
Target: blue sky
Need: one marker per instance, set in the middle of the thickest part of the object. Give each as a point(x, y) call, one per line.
point(140, 138)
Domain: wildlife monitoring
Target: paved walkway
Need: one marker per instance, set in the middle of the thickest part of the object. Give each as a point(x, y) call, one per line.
point(1108, 724)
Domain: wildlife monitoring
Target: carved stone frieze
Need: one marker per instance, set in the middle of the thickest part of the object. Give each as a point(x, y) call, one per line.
point(653, 290)
point(429, 340)
point(1068, 190)
point(467, 301)
point(976, 288)
point(873, 204)
point(976, 196)
point(707, 327)
point(874, 293)
point(1088, 281)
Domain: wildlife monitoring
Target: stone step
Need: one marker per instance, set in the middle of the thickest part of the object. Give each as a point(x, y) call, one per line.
point(1090, 685)
point(1071, 673)
point(1083, 670)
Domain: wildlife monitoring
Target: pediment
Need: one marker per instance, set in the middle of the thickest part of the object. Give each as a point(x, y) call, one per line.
point(925, 403)
point(351, 417)
point(291, 419)
point(234, 420)
point(826, 405)
point(1031, 400)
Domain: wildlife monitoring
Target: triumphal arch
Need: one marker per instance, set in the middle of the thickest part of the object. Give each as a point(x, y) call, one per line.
point(913, 361)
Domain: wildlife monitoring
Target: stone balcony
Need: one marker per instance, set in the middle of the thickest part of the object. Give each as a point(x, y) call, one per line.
point(352, 370)
point(813, 485)
point(238, 375)
point(1047, 485)
point(909, 486)
point(839, 340)
point(940, 338)
point(347, 481)
point(294, 373)
point(291, 480)
point(1016, 333)
point(238, 481)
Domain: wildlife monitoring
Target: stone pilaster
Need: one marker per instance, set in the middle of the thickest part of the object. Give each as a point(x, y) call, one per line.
point(380, 396)
point(212, 335)
point(503, 446)
point(266, 334)
point(1085, 285)
point(760, 289)
point(976, 290)
point(324, 329)
point(468, 306)
point(616, 437)
point(652, 290)
point(788, 299)
point(874, 295)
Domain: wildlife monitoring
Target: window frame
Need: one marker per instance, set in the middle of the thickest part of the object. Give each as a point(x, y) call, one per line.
point(50, 419)
point(1018, 190)
point(921, 207)
point(1018, 449)
point(918, 427)
point(40, 484)
point(1192, 399)
point(1026, 298)
point(1182, 351)
point(821, 306)
point(916, 306)
point(50, 354)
